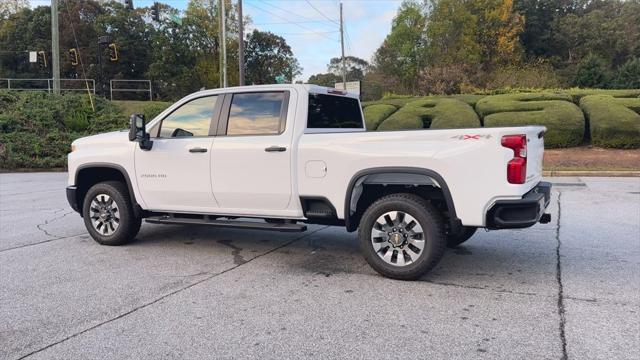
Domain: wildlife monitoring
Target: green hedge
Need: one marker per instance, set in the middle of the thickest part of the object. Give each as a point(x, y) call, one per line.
point(564, 121)
point(614, 122)
point(376, 114)
point(36, 128)
point(438, 113)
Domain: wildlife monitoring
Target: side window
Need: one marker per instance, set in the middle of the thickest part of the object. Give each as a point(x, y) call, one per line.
point(333, 112)
point(190, 119)
point(257, 114)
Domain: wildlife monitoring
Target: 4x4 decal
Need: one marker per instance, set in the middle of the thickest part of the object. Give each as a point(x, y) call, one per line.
point(471, 137)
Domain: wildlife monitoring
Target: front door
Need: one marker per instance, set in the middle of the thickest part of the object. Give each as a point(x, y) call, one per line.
point(252, 153)
point(175, 175)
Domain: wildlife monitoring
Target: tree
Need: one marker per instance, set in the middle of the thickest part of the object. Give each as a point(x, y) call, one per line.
point(326, 79)
point(355, 66)
point(591, 73)
point(268, 56)
point(402, 54)
point(10, 7)
point(629, 75)
point(478, 31)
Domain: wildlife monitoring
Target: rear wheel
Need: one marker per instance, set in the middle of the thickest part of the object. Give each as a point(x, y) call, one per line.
point(108, 214)
point(402, 236)
point(463, 235)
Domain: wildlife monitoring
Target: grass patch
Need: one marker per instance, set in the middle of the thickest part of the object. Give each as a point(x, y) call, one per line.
point(150, 109)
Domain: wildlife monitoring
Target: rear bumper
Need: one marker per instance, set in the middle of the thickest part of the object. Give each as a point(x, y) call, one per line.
point(72, 197)
point(521, 213)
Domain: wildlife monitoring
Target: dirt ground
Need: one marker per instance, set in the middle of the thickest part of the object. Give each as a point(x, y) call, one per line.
point(590, 158)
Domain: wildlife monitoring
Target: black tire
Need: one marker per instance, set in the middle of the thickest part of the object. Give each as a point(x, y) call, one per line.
point(463, 235)
point(128, 224)
point(428, 218)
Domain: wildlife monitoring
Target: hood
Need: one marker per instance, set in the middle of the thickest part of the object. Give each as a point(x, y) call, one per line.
point(114, 137)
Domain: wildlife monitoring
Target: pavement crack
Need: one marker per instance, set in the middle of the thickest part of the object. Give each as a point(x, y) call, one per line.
point(40, 242)
point(165, 296)
point(474, 287)
point(561, 309)
point(49, 221)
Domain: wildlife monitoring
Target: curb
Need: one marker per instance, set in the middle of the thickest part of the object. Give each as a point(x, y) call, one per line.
point(593, 173)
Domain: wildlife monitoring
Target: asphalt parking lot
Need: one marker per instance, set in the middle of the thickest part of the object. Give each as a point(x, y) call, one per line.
point(568, 289)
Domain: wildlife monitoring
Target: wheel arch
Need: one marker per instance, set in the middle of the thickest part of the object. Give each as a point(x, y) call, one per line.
point(90, 174)
point(395, 176)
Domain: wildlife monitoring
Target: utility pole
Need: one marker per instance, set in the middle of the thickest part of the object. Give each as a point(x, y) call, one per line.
point(55, 47)
point(240, 45)
point(344, 66)
point(223, 26)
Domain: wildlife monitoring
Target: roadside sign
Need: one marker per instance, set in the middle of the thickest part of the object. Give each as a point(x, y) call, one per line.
point(353, 87)
point(280, 79)
point(33, 56)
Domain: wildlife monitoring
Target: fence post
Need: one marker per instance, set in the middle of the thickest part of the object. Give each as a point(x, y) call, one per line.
point(111, 89)
point(8, 84)
point(150, 93)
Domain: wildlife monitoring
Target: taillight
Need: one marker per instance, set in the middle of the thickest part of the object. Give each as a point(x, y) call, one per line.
point(516, 167)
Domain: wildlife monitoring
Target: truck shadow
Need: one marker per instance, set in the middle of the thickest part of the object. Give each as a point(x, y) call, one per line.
point(495, 259)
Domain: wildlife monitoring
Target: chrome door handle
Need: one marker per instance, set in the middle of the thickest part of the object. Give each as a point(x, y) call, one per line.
point(198, 150)
point(275, 149)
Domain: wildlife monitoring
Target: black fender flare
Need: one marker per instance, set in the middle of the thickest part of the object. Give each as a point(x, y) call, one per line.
point(136, 207)
point(454, 222)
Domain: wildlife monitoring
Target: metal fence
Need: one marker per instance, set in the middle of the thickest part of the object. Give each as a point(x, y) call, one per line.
point(133, 87)
point(47, 84)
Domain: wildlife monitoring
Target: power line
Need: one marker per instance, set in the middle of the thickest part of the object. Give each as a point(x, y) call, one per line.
point(292, 22)
point(285, 19)
point(321, 13)
point(288, 11)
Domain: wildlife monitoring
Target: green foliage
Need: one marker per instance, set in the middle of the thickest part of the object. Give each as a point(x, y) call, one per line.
point(614, 122)
point(326, 79)
point(376, 114)
point(402, 51)
point(37, 128)
point(628, 76)
point(269, 56)
point(178, 59)
point(436, 113)
point(591, 73)
point(563, 119)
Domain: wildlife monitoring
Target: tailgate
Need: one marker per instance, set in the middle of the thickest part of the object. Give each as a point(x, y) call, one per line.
point(535, 152)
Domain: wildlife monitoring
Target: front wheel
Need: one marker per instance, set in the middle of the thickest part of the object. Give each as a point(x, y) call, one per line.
point(402, 236)
point(108, 214)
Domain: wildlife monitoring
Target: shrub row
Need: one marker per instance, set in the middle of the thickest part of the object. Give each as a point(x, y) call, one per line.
point(431, 113)
point(614, 122)
point(563, 119)
point(36, 128)
point(614, 115)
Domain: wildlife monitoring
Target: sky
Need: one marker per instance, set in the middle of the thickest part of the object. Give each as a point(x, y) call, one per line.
point(313, 38)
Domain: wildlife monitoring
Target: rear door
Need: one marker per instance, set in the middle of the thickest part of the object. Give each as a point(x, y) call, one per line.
point(175, 175)
point(252, 153)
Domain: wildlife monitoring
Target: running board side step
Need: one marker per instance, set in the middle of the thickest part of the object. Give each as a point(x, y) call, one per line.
point(282, 227)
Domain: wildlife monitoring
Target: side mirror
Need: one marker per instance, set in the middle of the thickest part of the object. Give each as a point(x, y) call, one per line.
point(138, 132)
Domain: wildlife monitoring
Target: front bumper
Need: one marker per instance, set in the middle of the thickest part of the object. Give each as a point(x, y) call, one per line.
point(72, 197)
point(521, 213)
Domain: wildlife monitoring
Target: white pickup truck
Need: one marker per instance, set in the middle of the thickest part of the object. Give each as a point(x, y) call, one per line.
point(277, 157)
